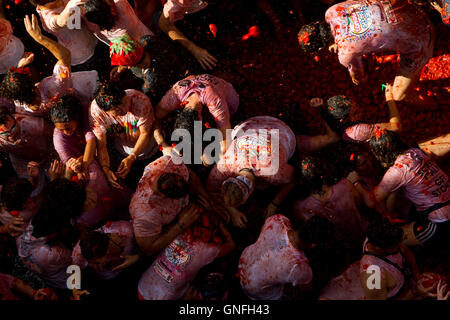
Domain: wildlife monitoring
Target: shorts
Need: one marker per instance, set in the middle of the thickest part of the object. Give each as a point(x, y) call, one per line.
point(428, 232)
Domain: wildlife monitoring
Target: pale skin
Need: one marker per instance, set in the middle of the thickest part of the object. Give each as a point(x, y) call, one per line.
point(206, 60)
point(61, 53)
point(63, 17)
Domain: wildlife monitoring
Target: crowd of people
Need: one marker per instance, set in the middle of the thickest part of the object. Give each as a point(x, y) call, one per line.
point(92, 93)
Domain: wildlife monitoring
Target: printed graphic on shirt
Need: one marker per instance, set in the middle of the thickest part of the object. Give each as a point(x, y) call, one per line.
point(256, 148)
point(389, 12)
point(174, 260)
point(428, 171)
point(360, 22)
point(205, 79)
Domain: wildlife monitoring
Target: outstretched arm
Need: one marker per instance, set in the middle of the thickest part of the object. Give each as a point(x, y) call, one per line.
point(61, 53)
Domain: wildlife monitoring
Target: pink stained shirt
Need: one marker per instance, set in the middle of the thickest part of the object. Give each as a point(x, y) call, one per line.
point(176, 9)
point(125, 232)
point(49, 262)
point(271, 263)
point(50, 88)
point(140, 114)
point(149, 210)
point(11, 48)
point(361, 132)
point(32, 144)
point(362, 27)
point(253, 150)
point(347, 286)
point(7, 282)
point(80, 42)
point(422, 181)
point(216, 94)
point(126, 22)
point(175, 267)
point(340, 209)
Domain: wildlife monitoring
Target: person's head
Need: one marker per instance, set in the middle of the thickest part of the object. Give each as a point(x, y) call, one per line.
point(109, 96)
point(337, 113)
point(316, 230)
point(186, 120)
point(65, 197)
point(18, 85)
point(211, 285)
point(94, 246)
point(40, 2)
point(315, 36)
point(65, 114)
point(386, 146)
point(313, 174)
point(172, 185)
point(15, 193)
point(236, 191)
point(100, 13)
point(127, 52)
point(384, 235)
point(8, 125)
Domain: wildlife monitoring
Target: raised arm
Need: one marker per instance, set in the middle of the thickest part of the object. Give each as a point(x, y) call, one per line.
point(394, 123)
point(61, 53)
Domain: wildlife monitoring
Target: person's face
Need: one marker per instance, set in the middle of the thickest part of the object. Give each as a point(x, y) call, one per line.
point(68, 128)
point(145, 63)
point(364, 162)
point(8, 130)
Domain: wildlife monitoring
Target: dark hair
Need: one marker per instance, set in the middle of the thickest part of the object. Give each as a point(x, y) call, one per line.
point(185, 120)
point(316, 230)
point(94, 244)
point(387, 146)
point(383, 234)
point(172, 185)
point(39, 2)
point(65, 109)
point(99, 12)
point(65, 197)
point(211, 285)
point(4, 113)
point(312, 174)
point(15, 193)
point(336, 113)
point(17, 86)
point(108, 95)
point(315, 36)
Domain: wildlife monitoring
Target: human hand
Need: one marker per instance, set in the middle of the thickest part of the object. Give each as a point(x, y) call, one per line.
point(316, 102)
point(112, 179)
point(33, 28)
point(129, 261)
point(441, 289)
point(353, 176)
point(27, 58)
point(333, 48)
point(125, 167)
point(56, 170)
point(78, 293)
point(388, 92)
point(75, 164)
point(206, 60)
point(239, 219)
point(189, 215)
point(15, 227)
point(33, 169)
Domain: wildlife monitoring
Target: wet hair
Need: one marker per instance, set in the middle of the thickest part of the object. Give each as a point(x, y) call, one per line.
point(99, 12)
point(336, 113)
point(316, 230)
point(172, 185)
point(66, 197)
point(236, 195)
point(17, 86)
point(387, 146)
point(186, 119)
point(312, 174)
point(94, 245)
point(15, 193)
point(383, 234)
point(315, 36)
point(108, 95)
point(4, 113)
point(65, 109)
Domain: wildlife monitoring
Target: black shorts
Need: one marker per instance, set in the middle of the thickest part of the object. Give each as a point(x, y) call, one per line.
point(428, 232)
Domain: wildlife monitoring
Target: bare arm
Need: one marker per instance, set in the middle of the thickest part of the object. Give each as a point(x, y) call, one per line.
point(394, 123)
point(63, 17)
point(89, 152)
